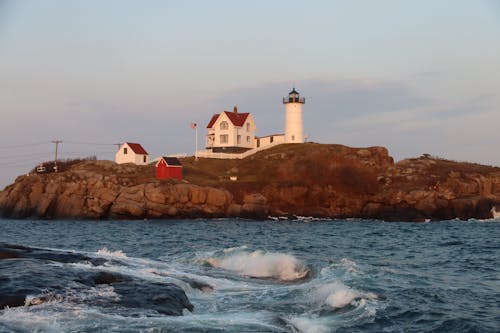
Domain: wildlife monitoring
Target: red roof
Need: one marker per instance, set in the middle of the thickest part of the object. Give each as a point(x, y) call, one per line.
point(213, 120)
point(137, 148)
point(238, 119)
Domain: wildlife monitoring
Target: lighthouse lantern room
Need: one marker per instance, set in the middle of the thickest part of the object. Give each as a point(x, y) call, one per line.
point(293, 117)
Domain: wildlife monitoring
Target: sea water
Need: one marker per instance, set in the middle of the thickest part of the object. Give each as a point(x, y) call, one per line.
point(272, 276)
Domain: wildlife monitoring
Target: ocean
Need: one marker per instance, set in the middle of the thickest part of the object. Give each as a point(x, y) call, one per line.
point(304, 275)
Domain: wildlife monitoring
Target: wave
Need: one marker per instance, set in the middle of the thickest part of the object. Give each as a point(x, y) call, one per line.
point(104, 252)
point(337, 295)
point(308, 325)
point(494, 213)
point(260, 264)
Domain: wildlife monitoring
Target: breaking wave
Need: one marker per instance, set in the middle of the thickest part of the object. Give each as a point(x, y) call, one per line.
point(260, 264)
point(104, 252)
point(337, 295)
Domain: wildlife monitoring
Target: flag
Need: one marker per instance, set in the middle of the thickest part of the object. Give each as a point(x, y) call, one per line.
point(194, 125)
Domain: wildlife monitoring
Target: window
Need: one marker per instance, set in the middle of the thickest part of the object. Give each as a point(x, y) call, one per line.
point(224, 138)
point(224, 125)
point(144, 158)
point(248, 127)
point(271, 139)
point(248, 139)
point(238, 139)
point(258, 143)
point(293, 137)
point(124, 151)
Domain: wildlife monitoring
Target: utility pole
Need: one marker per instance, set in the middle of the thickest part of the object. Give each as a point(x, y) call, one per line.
point(57, 142)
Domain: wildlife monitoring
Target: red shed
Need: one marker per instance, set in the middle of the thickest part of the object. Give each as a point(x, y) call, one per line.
point(168, 167)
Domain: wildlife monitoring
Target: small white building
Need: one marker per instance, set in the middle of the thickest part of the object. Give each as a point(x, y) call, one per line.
point(269, 140)
point(130, 152)
point(231, 132)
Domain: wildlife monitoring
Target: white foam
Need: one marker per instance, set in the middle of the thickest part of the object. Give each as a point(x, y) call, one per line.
point(494, 213)
point(337, 295)
point(260, 264)
point(349, 265)
point(340, 298)
point(21, 319)
point(307, 325)
point(104, 252)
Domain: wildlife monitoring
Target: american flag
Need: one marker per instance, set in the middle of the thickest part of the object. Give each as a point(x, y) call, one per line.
point(194, 125)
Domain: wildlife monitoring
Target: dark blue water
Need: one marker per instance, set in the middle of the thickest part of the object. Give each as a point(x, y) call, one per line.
point(287, 276)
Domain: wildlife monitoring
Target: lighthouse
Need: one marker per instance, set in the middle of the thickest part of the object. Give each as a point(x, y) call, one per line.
point(293, 117)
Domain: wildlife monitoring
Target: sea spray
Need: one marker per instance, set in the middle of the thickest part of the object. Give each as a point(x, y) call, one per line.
point(308, 325)
point(260, 264)
point(104, 252)
point(337, 295)
point(495, 214)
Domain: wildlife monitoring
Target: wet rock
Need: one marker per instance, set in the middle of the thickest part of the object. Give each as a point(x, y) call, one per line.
point(165, 298)
point(29, 278)
point(12, 300)
point(107, 278)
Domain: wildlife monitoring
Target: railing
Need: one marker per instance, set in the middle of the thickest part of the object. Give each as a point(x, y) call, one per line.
point(300, 100)
point(210, 154)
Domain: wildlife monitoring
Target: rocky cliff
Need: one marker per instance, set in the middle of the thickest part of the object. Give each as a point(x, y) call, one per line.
point(287, 180)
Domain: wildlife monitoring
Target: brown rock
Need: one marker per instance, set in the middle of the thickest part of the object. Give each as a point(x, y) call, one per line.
point(255, 198)
point(216, 197)
point(255, 206)
point(198, 195)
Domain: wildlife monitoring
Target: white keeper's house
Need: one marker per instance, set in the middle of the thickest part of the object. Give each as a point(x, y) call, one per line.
point(130, 152)
point(231, 132)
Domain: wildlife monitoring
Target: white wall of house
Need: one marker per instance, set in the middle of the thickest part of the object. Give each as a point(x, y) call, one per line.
point(126, 155)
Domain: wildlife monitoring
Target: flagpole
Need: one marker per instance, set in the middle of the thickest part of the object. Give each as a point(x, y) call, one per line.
point(196, 143)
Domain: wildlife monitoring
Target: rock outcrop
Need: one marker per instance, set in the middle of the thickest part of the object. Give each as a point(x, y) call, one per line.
point(330, 181)
point(85, 193)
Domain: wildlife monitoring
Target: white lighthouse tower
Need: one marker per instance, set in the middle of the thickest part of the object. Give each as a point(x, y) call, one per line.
point(293, 117)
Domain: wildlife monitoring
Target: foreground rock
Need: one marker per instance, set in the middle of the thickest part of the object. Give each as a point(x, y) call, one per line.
point(330, 181)
point(32, 276)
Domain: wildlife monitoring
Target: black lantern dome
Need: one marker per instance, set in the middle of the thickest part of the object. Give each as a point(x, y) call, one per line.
point(294, 97)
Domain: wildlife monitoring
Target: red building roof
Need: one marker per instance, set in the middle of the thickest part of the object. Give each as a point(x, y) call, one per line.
point(238, 119)
point(137, 148)
point(170, 161)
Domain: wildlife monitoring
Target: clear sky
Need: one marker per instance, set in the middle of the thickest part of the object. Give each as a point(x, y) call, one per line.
point(416, 76)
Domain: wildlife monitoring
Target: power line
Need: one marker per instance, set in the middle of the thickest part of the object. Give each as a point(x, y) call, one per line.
point(17, 163)
point(85, 153)
point(24, 155)
point(24, 145)
point(90, 143)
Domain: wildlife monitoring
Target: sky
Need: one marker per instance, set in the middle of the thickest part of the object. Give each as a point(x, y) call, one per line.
point(416, 76)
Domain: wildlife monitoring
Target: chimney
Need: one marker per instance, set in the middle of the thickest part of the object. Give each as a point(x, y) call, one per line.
point(235, 109)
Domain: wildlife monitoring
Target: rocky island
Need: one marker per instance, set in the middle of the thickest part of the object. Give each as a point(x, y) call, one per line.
point(318, 180)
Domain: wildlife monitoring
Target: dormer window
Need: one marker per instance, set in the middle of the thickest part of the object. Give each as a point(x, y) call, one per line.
point(224, 125)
